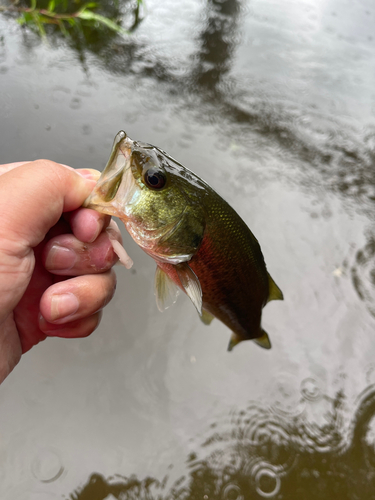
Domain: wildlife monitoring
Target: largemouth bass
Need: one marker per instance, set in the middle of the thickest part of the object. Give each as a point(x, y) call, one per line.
point(199, 243)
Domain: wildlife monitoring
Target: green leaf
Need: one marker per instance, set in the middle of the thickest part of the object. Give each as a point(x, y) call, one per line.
point(47, 20)
point(92, 16)
point(62, 28)
point(25, 18)
point(86, 6)
point(51, 5)
point(39, 24)
point(21, 20)
point(33, 4)
point(78, 25)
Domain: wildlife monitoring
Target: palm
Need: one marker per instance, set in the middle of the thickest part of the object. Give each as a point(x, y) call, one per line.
point(26, 313)
point(35, 278)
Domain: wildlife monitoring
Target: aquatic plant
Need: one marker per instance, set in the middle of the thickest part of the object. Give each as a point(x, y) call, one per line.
point(70, 15)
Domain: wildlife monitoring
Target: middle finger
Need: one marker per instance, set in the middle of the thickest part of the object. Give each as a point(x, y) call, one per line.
point(65, 255)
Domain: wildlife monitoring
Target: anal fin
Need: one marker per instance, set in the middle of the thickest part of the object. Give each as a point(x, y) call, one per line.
point(263, 341)
point(206, 317)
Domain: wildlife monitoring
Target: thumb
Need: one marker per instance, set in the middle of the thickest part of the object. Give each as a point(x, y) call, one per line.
point(32, 199)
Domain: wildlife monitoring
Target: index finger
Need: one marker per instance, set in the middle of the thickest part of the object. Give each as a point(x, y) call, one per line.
point(10, 166)
point(35, 194)
point(86, 224)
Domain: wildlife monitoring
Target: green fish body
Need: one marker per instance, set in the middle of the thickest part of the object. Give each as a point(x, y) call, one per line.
point(199, 243)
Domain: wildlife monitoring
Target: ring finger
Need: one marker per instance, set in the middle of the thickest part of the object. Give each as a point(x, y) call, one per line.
point(75, 299)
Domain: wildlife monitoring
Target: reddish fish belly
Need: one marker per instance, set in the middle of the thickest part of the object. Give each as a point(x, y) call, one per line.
point(234, 288)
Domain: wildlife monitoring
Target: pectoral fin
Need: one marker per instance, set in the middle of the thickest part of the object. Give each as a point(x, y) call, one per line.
point(166, 291)
point(274, 292)
point(191, 284)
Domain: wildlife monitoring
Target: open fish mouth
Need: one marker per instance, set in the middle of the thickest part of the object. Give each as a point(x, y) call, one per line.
point(116, 188)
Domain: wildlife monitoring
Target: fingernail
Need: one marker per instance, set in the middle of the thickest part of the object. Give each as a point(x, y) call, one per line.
point(99, 226)
point(63, 305)
point(89, 173)
point(60, 258)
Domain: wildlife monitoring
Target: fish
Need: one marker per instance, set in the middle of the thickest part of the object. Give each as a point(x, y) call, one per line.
point(198, 241)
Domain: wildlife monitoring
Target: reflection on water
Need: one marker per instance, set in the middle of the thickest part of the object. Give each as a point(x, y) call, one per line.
point(321, 142)
point(259, 453)
point(81, 37)
point(363, 273)
point(276, 109)
point(217, 42)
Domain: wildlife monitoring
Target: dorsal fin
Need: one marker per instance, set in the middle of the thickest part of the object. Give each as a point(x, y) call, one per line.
point(274, 292)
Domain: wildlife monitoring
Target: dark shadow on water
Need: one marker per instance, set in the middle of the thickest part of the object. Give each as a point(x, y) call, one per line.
point(334, 156)
point(261, 453)
point(343, 157)
point(216, 43)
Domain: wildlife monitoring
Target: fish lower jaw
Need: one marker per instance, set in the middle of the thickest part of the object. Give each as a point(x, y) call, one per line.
point(102, 208)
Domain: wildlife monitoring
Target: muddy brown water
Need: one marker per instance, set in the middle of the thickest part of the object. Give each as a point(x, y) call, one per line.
point(272, 103)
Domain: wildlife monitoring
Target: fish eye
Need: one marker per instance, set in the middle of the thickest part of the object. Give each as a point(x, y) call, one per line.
point(154, 178)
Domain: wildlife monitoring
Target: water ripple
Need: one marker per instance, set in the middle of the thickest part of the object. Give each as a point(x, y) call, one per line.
point(256, 453)
point(363, 274)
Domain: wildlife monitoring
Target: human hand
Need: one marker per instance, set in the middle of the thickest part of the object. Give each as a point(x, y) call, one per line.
point(55, 257)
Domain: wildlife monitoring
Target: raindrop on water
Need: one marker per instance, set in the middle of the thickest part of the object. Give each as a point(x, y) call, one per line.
point(310, 389)
point(267, 483)
point(86, 129)
point(370, 374)
point(286, 396)
point(59, 94)
point(232, 492)
point(75, 103)
point(47, 466)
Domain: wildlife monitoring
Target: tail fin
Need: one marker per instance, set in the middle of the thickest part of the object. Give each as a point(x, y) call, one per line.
point(262, 341)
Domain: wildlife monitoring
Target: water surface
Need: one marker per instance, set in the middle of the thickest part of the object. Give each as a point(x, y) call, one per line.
point(273, 104)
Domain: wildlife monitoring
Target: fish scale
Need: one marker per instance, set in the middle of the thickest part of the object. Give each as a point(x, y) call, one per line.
point(236, 294)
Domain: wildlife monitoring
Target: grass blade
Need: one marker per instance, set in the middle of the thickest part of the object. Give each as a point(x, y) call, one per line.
point(88, 15)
